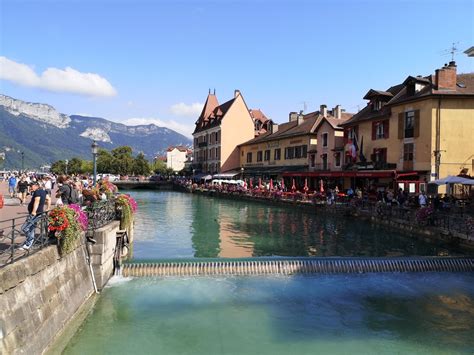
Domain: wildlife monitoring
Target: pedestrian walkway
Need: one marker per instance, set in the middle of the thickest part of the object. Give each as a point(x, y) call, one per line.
point(12, 210)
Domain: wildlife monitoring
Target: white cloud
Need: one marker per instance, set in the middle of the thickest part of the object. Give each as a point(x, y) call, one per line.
point(182, 109)
point(185, 129)
point(57, 80)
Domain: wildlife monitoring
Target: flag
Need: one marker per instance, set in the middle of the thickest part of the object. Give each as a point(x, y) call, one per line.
point(361, 152)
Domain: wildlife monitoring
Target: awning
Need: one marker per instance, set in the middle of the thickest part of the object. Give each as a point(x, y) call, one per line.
point(272, 170)
point(202, 177)
point(227, 175)
point(453, 180)
point(339, 174)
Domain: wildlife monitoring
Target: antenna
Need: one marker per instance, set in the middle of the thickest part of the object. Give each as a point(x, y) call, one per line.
point(305, 105)
point(453, 50)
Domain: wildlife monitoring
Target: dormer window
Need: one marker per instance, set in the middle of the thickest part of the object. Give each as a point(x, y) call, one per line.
point(376, 105)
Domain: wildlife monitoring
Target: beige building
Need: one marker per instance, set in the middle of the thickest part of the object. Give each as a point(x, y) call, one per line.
point(421, 129)
point(305, 143)
point(219, 129)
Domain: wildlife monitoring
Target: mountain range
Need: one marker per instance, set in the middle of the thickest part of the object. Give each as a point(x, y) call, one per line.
point(43, 135)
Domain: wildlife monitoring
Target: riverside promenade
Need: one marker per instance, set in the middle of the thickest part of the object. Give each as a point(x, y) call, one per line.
point(13, 210)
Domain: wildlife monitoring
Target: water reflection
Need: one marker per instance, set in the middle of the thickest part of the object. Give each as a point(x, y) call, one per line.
point(175, 225)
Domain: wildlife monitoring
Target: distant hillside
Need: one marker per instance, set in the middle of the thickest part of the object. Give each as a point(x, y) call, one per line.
point(44, 135)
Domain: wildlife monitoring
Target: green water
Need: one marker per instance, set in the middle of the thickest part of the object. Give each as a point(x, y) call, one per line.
point(338, 314)
point(420, 313)
point(178, 225)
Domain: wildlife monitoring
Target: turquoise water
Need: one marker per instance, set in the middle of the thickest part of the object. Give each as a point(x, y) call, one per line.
point(420, 313)
point(178, 225)
point(338, 314)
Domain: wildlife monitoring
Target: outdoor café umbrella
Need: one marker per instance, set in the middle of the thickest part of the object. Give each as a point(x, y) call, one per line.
point(251, 183)
point(293, 187)
point(305, 184)
point(282, 184)
point(271, 184)
point(321, 185)
point(259, 183)
point(453, 180)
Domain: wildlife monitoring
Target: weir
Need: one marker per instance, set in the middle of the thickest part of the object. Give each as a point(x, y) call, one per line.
point(326, 265)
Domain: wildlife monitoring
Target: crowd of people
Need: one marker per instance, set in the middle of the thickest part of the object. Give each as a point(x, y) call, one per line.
point(41, 187)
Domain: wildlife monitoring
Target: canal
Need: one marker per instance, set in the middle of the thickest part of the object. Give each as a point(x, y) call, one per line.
point(422, 313)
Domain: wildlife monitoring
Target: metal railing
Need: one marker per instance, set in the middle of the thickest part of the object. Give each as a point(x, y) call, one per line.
point(11, 238)
point(100, 214)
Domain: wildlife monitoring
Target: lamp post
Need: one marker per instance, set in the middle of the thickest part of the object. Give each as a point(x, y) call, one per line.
point(22, 161)
point(94, 148)
point(67, 163)
point(241, 173)
point(194, 172)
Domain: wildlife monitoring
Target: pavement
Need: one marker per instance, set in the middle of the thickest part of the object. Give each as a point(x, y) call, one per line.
point(12, 213)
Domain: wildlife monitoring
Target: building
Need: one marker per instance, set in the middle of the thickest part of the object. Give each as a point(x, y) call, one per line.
point(219, 130)
point(176, 157)
point(296, 147)
point(261, 122)
point(414, 132)
point(470, 52)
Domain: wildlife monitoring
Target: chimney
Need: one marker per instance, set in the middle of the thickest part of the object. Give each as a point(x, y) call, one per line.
point(300, 118)
point(337, 112)
point(446, 77)
point(274, 127)
point(323, 110)
point(236, 93)
point(293, 116)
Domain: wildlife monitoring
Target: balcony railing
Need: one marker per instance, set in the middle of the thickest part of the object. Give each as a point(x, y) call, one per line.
point(320, 167)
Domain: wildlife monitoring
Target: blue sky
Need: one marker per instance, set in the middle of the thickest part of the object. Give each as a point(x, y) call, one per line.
point(153, 61)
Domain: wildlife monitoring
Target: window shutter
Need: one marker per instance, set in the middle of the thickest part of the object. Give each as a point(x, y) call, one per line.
point(374, 130)
point(401, 123)
point(386, 125)
point(416, 132)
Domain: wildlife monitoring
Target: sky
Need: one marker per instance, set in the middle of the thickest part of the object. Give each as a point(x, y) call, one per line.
point(144, 61)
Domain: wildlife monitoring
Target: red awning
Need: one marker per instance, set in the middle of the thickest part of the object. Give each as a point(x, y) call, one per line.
point(413, 173)
point(339, 174)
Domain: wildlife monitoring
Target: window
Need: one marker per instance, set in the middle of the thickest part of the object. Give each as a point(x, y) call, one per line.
point(312, 158)
point(218, 153)
point(277, 154)
point(325, 139)
point(304, 154)
point(408, 152)
point(289, 153)
point(324, 158)
point(409, 124)
point(259, 155)
point(267, 155)
point(249, 157)
point(298, 152)
point(379, 131)
point(337, 159)
point(380, 155)
point(351, 134)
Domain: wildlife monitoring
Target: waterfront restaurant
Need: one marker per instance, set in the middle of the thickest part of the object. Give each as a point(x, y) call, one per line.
point(409, 134)
point(291, 148)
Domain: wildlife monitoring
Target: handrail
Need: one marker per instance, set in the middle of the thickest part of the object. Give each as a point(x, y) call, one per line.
point(11, 234)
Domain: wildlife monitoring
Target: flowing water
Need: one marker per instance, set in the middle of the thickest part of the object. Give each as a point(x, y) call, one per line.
point(388, 313)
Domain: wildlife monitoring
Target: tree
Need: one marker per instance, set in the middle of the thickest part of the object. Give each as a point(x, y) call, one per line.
point(122, 160)
point(74, 166)
point(140, 165)
point(159, 167)
point(58, 167)
point(105, 162)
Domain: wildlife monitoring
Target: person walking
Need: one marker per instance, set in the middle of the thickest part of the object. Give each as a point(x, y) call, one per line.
point(22, 189)
point(40, 202)
point(422, 199)
point(12, 185)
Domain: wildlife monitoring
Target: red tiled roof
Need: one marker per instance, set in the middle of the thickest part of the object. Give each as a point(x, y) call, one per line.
point(181, 148)
point(212, 117)
point(257, 114)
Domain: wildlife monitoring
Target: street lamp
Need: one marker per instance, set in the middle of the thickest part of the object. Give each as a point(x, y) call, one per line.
point(194, 172)
point(67, 163)
point(241, 173)
point(22, 161)
point(94, 148)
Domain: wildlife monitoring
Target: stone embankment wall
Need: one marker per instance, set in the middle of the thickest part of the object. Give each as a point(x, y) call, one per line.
point(41, 293)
